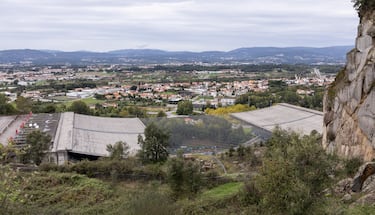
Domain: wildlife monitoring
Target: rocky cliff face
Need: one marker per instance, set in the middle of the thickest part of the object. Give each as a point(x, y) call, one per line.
point(349, 103)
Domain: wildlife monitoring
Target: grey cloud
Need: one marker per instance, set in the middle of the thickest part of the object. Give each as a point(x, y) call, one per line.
point(174, 25)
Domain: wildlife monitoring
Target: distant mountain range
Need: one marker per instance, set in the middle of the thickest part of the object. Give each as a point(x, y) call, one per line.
point(255, 55)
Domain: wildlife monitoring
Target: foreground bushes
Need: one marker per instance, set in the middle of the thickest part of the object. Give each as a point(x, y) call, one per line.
point(50, 193)
point(293, 179)
point(294, 174)
point(152, 202)
point(128, 169)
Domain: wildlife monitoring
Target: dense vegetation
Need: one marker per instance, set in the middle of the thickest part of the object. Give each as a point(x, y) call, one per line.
point(154, 145)
point(184, 108)
point(364, 6)
point(279, 92)
point(38, 144)
point(5, 107)
point(247, 68)
point(294, 174)
point(289, 175)
point(229, 109)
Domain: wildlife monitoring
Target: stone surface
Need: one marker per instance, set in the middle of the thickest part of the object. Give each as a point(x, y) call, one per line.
point(368, 190)
point(328, 117)
point(343, 187)
point(364, 42)
point(366, 116)
point(368, 79)
point(350, 130)
point(371, 31)
point(347, 197)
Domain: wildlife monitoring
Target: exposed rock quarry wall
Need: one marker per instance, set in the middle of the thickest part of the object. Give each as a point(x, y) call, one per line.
point(349, 103)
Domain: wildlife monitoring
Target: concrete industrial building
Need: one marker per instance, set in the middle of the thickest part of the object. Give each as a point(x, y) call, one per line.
point(89, 135)
point(286, 116)
point(74, 136)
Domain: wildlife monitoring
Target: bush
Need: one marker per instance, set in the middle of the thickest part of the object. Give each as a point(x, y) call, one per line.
point(352, 165)
point(184, 108)
point(212, 179)
point(152, 202)
point(38, 144)
point(295, 172)
point(364, 6)
point(80, 107)
point(53, 193)
point(108, 169)
point(184, 177)
point(250, 194)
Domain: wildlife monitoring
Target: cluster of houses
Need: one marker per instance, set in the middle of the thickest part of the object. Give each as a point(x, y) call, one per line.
point(200, 92)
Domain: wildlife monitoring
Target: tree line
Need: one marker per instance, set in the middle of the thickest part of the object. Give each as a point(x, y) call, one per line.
point(279, 92)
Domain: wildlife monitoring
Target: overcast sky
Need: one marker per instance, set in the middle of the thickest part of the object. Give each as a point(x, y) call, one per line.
point(195, 25)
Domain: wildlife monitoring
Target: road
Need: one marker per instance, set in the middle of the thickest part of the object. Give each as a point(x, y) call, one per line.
point(11, 130)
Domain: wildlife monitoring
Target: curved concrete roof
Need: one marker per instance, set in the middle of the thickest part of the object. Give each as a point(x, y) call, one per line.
point(90, 135)
point(286, 116)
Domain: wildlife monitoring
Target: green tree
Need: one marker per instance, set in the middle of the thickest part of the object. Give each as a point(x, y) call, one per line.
point(184, 177)
point(176, 175)
point(80, 107)
point(23, 104)
point(193, 177)
point(5, 108)
point(154, 146)
point(8, 153)
point(38, 145)
point(137, 112)
point(184, 108)
point(294, 174)
point(10, 189)
point(49, 108)
point(161, 114)
point(118, 151)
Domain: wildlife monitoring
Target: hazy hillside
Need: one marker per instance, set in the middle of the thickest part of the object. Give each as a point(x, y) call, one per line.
point(255, 55)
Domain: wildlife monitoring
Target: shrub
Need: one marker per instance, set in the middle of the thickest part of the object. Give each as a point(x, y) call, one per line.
point(295, 172)
point(352, 165)
point(364, 6)
point(38, 144)
point(184, 108)
point(151, 202)
point(111, 169)
point(184, 177)
point(250, 194)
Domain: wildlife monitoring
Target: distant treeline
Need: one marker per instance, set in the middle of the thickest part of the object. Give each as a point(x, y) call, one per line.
point(279, 92)
point(244, 68)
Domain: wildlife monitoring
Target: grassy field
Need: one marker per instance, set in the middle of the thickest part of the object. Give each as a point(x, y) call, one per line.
point(222, 191)
point(68, 101)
